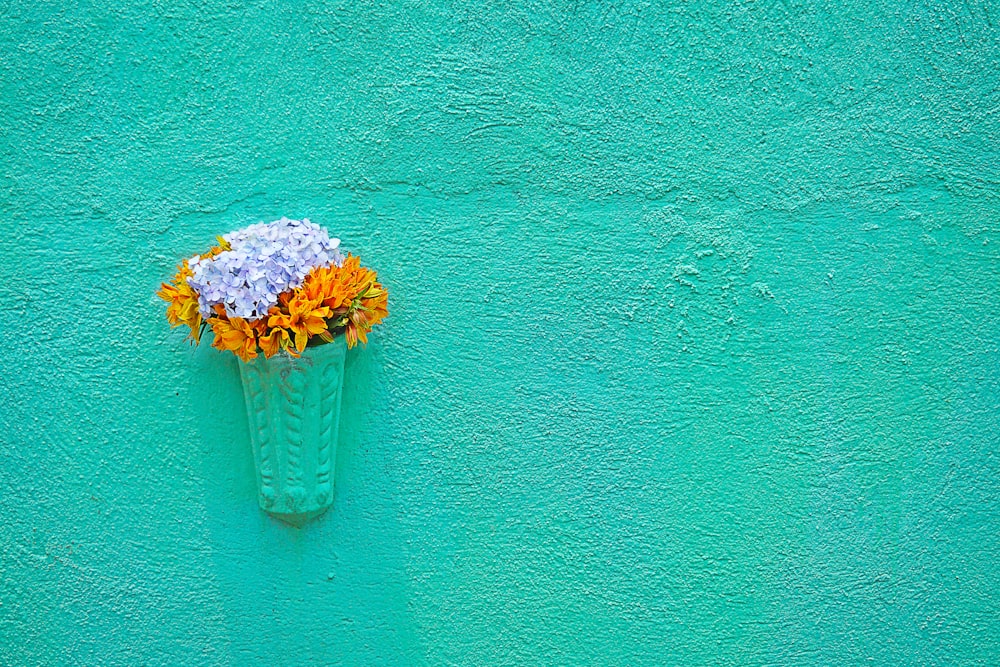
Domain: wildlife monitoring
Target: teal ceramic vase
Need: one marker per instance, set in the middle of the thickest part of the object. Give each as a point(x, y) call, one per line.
point(293, 406)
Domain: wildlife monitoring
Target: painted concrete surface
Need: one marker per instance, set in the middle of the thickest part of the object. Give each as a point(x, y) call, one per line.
point(692, 355)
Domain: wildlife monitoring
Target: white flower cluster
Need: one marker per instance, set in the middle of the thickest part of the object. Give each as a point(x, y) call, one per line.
point(263, 261)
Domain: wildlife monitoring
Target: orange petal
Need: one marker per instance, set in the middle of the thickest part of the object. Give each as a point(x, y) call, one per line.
point(301, 339)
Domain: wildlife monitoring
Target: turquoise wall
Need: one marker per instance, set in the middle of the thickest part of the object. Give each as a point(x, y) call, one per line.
point(692, 355)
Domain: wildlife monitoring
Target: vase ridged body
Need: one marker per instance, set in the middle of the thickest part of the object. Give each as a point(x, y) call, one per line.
point(293, 407)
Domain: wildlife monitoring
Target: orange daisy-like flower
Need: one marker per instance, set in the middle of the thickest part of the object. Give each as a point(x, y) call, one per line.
point(355, 300)
point(182, 302)
point(377, 308)
point(334, 286)
point(274, 341)
point(304, 318)
point(236, 335)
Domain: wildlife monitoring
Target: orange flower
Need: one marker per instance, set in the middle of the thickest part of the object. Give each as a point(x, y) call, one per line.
point(304, 318)
point(377, 306)
point(236, 335)
point(355, 300)
point(360, 320)
point(182, 302)
point(274, 341)
point(182, 299)
point(334, 286)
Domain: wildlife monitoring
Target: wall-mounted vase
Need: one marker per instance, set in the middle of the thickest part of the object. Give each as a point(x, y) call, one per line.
point(293, 405)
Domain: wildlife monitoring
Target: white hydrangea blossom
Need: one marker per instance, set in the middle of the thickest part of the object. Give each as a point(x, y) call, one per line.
point(264, 260)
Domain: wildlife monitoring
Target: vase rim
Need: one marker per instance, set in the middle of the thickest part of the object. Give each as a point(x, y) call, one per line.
point(336, 347)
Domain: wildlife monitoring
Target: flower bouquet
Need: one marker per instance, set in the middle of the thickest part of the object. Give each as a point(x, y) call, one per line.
point(283, 299)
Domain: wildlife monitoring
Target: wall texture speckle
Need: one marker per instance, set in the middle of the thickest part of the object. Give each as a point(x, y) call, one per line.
point(693, 351)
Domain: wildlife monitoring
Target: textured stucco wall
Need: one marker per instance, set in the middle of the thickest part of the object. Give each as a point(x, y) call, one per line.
point(692, 356)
